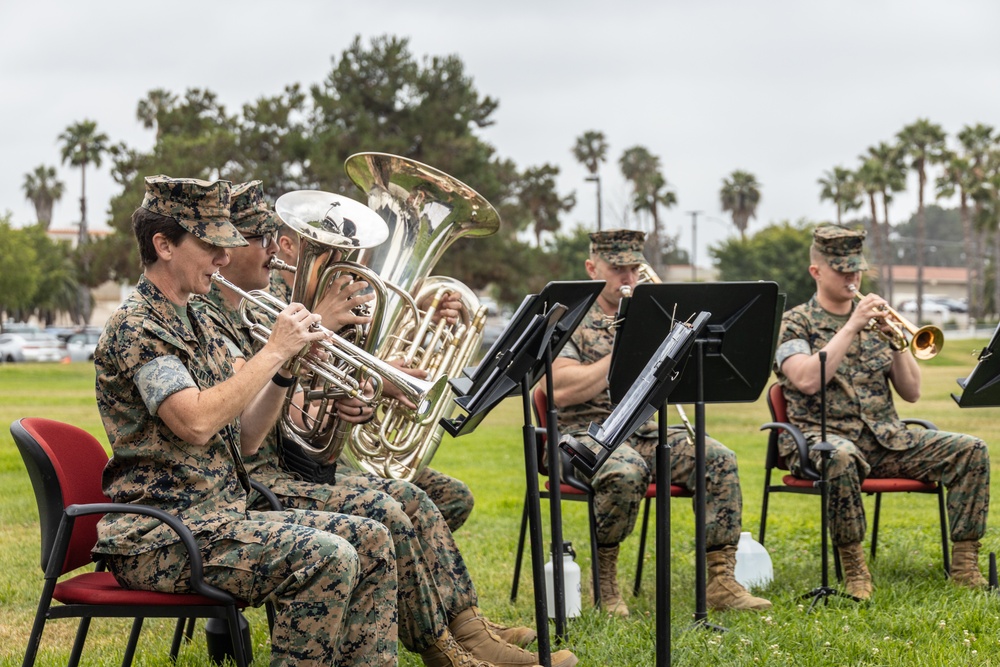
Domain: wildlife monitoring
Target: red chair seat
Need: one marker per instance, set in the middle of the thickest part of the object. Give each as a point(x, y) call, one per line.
point(102, 588)
point(566, 489)
point(675, 491)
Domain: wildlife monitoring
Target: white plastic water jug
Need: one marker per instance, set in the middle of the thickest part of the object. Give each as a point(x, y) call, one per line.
point(571, 583)
point(753, 564)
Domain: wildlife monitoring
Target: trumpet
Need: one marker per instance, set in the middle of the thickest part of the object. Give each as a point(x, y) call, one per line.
point(925, 342)
point(367, 368)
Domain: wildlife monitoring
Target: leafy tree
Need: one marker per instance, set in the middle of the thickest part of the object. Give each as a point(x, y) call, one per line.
point(58, 287)
point(590, 150)
point(740, 195)
point(657, 193)
point(43, 189)
point(891, 178)
point(840, 187)
point(272, 142)
point(82, 145)
point(779, 253)
point(538, 196)
point(639, 167)
point(924, 143)
point(19, 271)
point(955, 179)
point(978, 142)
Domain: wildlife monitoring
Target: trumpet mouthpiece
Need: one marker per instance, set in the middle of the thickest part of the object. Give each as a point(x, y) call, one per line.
point(625, 291)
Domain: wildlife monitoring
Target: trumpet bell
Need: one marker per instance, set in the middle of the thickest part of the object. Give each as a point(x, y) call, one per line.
point(331, 220)
point(927, 342)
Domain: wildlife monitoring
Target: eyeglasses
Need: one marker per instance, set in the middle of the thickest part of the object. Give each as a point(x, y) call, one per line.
point(265, 239)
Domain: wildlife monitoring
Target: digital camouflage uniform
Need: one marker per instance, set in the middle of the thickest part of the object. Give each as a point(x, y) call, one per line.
point(434, 583)
point(452, 496)
point(329, 598)
point(869, 438)
point(620, 484)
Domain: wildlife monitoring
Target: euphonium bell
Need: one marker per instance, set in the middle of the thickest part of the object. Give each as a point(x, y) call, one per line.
point(925, 342)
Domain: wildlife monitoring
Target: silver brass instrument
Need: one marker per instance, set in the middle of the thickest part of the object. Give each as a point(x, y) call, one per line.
point(328, 226)
point(925, 342)
point(647, 275)
point(426, 210)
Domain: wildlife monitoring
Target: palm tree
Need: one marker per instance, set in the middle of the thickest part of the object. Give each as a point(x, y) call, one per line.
point(956, 179)
point(977, 142)
point(870, 177)
point(657, 193)
point(923, 141)
point(149, 110)
point(83, 145)
point(591, 150)
point(889, 157)
point(42, 189)
point(537, 193)
point(739, 196)
point(639, 167)
point(840, 187)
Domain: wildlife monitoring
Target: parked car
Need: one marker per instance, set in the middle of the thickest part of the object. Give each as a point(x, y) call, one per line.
point(30, 347)
point(954, 305)
point(81, 345)
point(931, 307)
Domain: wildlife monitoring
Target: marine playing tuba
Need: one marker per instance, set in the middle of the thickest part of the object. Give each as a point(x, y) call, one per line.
point(426, 211)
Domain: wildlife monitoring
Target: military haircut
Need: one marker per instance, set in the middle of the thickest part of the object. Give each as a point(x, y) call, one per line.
point(145, 225)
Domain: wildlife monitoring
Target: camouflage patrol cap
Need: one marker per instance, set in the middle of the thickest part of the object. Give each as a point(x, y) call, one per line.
point(842, 247)
point(248, 211)
point(200, 207)
point(618, 247)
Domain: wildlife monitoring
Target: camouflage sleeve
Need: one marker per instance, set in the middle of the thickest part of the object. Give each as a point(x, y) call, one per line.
point(234, 350)
point(161, 378)
point(794, 339)
point(571, 351)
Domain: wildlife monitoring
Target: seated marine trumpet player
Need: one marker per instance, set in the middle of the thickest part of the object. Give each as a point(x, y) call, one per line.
point(868, 437)
point(580, 383)
point(438, 614)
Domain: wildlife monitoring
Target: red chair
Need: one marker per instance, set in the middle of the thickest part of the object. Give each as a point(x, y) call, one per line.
point(806, 484)
point(65, 465)
point(575, 489)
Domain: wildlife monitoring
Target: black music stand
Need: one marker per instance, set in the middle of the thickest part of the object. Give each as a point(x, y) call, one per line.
point(651, 386)
point(981, 389)
point(522, 354)
point(734, 350)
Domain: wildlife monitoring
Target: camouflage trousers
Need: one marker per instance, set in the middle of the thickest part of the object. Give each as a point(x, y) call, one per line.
point(960, 462)
point(620, 485)
point(452, 496)
point(331, 578)
point(434, 582)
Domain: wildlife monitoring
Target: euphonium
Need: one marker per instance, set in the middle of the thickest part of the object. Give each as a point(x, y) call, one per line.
point(925, 342)
point(426, 211)
point(328, 226)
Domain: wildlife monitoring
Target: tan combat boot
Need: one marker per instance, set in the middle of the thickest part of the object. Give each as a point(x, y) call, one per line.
point(965, 564)
point(722, 590)
point(470, 629)
point(446, 652)
point(518, 635)
point(857, 579)
point(607, 569)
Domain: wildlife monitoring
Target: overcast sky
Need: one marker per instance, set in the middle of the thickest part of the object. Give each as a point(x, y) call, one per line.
point(784, 89)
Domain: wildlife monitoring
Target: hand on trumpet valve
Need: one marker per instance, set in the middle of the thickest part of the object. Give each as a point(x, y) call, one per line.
point(294, 328)
point(343, 304)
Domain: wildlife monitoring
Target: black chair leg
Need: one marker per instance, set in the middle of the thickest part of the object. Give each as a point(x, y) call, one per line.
point(878, 514)
point(520, 551)
point(240, 649)
point(642, 550)
point(595, 571)
point(763, 509)
point(133, 641)
point(189, 630)
point(81, 637)
point(175, 643)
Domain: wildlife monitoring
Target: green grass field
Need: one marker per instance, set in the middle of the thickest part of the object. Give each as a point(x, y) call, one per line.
point(915, 618)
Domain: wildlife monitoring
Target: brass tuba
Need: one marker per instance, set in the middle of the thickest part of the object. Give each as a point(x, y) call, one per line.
point(426, 211)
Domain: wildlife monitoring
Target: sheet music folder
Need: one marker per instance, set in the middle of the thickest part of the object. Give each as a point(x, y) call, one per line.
point(981, 388)
point(549, 317)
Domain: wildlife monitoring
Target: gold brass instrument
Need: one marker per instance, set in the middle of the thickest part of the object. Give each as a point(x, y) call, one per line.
point(925, 342)
point(426, 210)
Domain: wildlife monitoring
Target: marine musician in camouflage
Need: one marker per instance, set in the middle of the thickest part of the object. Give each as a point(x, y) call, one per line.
point(580, 384)
point(180, 411)
point(438, 614)
point(451, 495)
point(861, 421)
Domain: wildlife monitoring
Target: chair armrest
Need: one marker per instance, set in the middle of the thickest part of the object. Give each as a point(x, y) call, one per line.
point(197, 579)
point(268, 495)
point(808, 470)
point(922, 423)
point(569, 474)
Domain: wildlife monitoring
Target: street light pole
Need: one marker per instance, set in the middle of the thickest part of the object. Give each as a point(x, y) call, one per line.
point(694, 245)
point(596, 178)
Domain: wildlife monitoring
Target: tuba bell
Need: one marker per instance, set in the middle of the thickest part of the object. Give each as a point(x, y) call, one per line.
point(426, 211)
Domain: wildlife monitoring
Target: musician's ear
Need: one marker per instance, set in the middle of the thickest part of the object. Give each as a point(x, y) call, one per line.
point(591, 267)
